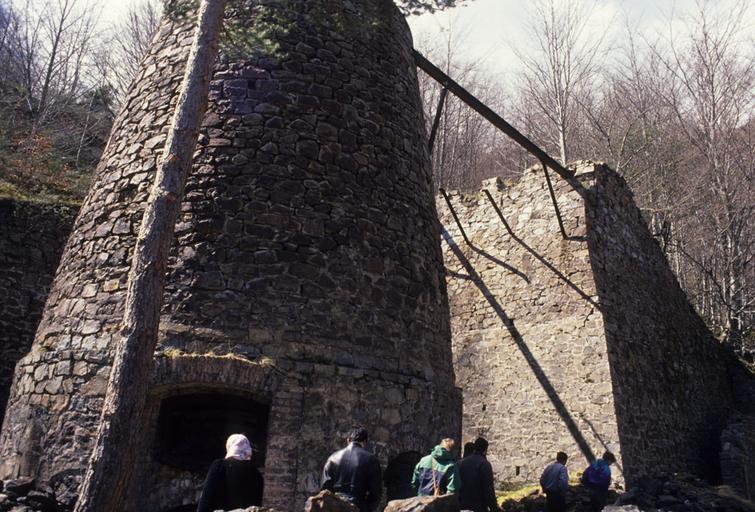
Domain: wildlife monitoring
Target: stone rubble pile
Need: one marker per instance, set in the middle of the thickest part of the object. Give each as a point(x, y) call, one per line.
point(663, 493)
point(326, 501)
point(24, 494)
point(446, 503)
point(682, 493)
point(576, 500)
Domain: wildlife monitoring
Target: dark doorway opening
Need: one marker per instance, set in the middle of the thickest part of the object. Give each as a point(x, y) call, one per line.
point(192, 428)
point(398, 476)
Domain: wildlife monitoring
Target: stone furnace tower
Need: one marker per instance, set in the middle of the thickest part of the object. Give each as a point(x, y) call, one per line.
point(306, 290)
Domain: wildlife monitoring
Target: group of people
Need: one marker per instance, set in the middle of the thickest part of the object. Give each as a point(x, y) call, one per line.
point(353, 473)
point(596, 479)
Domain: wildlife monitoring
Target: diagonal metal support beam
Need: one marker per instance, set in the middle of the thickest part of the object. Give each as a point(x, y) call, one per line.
point(460, 92)
point(538, 256)
point(456, 217)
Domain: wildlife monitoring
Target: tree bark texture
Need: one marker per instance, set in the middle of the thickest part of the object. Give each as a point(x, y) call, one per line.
point(111, 464)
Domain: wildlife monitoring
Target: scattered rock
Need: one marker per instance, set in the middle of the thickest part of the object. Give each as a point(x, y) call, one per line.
point(445, 503)
point(256, 509)
point(683, 493)
point(19, 486)
point(25, 495)
point(665, 500)
point(326, 501)
point(20, 508)
point(41, 502)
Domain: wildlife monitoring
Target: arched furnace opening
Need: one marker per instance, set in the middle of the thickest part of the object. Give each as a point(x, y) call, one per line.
point(398, 475)
point(192, 428)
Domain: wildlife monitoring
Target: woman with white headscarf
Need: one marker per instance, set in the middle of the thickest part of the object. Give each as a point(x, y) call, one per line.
point(232, 482)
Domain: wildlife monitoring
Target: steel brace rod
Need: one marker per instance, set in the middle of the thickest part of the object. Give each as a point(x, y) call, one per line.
point(456, 217)
point(555, 202)
point(436, 121)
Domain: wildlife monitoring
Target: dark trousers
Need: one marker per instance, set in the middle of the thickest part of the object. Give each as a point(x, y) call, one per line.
point(598, 498)
point(555, 501)
point(362, 506)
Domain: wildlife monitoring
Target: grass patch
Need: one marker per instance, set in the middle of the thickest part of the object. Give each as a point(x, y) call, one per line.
point(517, 494)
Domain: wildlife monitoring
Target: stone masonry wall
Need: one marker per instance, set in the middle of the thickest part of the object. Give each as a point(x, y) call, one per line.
point(308, 203)
point(528, 338)
point(672, 388)
point(583, 344)
point(32, 236)
point(737, 461)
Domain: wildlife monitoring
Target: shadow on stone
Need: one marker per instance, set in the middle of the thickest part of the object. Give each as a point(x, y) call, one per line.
point(532, 362)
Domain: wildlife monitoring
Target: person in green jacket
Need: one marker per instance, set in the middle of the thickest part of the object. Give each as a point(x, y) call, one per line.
point(437, 473)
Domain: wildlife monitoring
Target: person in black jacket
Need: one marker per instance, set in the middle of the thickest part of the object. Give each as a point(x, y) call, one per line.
point(477, 492)
point(354, 474)
point(232, 482)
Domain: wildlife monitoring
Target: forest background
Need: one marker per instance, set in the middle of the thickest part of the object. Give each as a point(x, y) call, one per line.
point(663, 92)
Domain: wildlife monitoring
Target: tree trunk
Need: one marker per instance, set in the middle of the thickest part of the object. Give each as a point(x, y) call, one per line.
point(107, 478)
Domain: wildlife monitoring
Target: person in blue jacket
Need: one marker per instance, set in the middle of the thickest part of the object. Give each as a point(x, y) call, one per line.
point(555, 484)
point(597, 478)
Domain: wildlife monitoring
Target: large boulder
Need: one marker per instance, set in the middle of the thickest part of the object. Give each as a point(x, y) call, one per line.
point(445, 503)
point(19, 486)
point(326, 501)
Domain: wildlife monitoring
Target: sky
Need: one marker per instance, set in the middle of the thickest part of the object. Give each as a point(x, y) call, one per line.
point(487, 31)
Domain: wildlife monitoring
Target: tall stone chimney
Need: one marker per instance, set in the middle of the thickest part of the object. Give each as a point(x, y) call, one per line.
point(305, 292)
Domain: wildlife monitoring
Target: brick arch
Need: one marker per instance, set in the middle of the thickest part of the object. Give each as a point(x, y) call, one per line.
point(173, 373)
point(162, 488)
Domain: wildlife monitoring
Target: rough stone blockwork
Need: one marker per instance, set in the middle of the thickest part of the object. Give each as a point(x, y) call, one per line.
point(306, 276)
point(581, 345)
point(31, 241)
point(737, 461)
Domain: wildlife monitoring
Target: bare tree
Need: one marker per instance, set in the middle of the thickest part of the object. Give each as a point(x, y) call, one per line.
point(127, 44)
point(466, 147)
point(562, 67)
point(57, 46)
point(51, 118)
point(710, 92)
point(10, 26)
point(106, 480)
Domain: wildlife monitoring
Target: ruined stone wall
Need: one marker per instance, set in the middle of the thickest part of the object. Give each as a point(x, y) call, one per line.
point(737, 461)
point(583, 344)
point(296, 252)
point(32, 236)
point(672, 388)
point(528, 338)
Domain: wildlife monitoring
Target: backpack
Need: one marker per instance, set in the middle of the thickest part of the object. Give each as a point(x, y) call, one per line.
point(594, 478)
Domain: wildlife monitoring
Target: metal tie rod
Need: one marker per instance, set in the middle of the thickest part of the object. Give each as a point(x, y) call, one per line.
point(500, 123)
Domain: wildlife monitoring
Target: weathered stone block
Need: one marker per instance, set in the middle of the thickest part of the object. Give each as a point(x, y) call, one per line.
point(445, 503)
point(326, 501)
